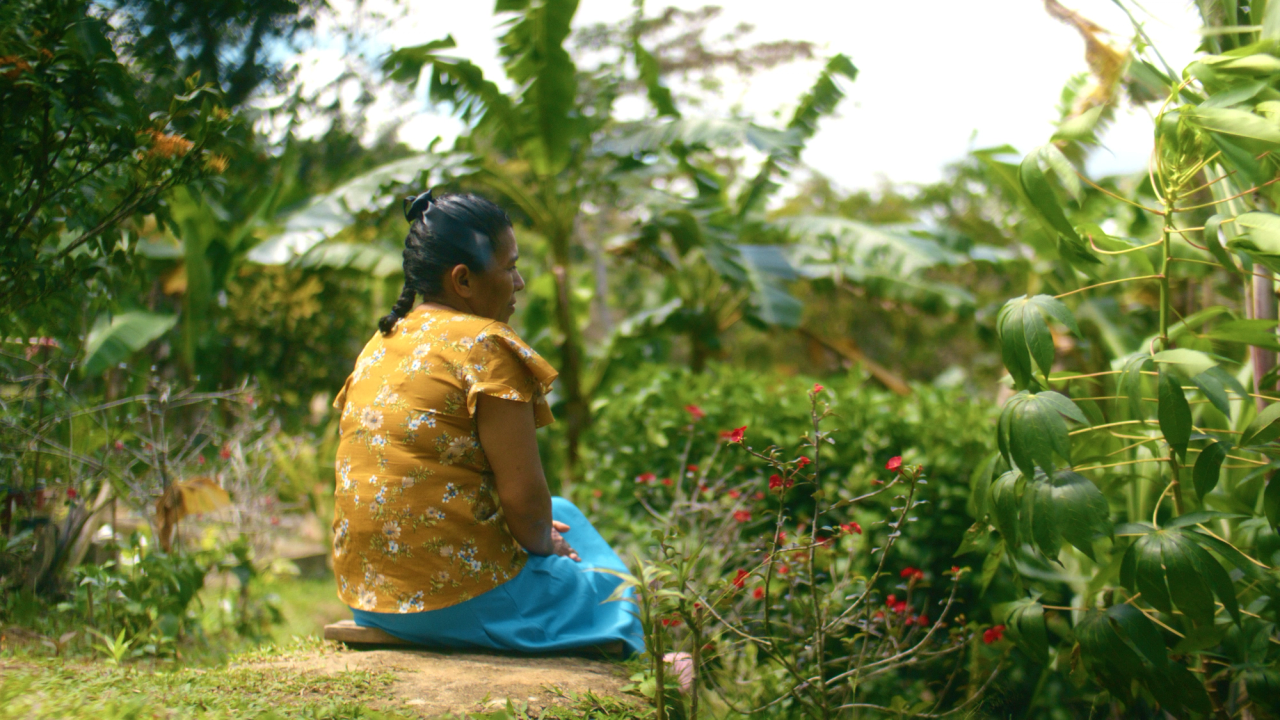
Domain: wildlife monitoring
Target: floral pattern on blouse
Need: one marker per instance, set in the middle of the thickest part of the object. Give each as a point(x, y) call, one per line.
point(417, 523)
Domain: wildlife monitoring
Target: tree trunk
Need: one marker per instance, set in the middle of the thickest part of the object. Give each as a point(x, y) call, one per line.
point(577, 410)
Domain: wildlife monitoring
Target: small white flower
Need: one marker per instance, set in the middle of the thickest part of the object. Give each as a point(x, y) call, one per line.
point(371, 419)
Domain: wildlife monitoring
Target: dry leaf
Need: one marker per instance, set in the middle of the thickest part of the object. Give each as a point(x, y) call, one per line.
point(188, 497)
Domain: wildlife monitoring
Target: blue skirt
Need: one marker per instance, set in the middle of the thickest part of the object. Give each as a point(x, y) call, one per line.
point(552, 604)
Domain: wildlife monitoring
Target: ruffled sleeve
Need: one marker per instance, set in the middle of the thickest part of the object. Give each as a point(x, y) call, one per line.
point(500, 364)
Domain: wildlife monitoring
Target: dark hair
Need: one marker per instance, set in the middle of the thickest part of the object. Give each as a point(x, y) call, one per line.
point(444, 232)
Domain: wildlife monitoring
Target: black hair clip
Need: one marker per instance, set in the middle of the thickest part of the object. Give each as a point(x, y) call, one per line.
point(416, 205)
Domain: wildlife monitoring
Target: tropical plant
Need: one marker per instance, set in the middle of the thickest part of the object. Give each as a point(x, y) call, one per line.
point(1133, 502)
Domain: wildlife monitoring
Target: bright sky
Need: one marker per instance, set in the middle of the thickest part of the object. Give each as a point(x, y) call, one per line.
point(937, 77)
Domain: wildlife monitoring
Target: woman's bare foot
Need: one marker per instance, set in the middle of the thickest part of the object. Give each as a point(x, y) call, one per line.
point(682, 665)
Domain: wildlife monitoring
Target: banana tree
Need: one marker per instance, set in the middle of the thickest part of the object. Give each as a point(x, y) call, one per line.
point(1132, 510)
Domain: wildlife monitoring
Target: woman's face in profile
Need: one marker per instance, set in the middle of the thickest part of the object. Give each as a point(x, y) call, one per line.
point(495, 289)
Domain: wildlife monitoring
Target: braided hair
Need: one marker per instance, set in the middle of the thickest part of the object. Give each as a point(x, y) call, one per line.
point(444, 232)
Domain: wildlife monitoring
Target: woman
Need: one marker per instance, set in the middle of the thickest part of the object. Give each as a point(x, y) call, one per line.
point(445, 533)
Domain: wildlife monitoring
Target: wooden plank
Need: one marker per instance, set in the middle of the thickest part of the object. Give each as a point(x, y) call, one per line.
point(346, 631)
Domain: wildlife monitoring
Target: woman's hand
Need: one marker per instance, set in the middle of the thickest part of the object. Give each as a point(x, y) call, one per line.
point(560, 545)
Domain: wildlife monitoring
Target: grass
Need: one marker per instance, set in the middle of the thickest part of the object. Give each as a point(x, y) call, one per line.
point(233, 679)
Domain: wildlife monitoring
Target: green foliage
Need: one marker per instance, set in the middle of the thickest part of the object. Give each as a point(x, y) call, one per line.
point(90, 150)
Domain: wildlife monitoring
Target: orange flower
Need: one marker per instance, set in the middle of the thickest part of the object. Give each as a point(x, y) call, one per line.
point(168, 146)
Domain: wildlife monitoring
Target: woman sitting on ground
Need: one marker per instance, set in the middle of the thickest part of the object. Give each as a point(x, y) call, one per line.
point(445, 533)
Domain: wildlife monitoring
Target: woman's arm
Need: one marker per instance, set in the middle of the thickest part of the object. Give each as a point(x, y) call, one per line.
point(506, 430)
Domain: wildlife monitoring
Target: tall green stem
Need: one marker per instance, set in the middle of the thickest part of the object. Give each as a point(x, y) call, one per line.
point(1166, 256)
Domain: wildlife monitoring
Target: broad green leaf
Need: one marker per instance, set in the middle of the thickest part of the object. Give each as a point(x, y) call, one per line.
point(991, 564)
point(1188, 362)
point(1174, 412)
point(1033, 428)
point(1235, 95)
point(973, 538)
point(1201, 516)
point(1169, 568)
point(1025, 625)
point(1264, 427)
point(1025, 341)
point(1140, 634)
point(1271, 502)
point(1213, 388)
point(1259, 237)
point(1131, 382)
point(1038, 190)
point(1214, 243)
point(1259, 333)
point(1114, 663)
point(1004, 506)
point(1202, 638)
point(113, 339)
point(651, 75)
point(1070, 507)
point(1080, 127)
point(767, 271)
point(1237, 123)
point(1209, 467)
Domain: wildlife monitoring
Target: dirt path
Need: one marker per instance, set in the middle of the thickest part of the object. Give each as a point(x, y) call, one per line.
point(434, 683)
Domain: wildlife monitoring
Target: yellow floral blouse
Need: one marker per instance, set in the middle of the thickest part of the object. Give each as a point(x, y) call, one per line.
point(417, 524)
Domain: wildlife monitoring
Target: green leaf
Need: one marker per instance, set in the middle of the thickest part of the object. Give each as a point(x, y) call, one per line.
point(1025, 625)
point(1033, 428)
point(1169, 568)
point(1069, 506)
point(1259, 333)
point(1259, 237)
point(1188, 362)
point(1004, 506)
point(1264, 427)
point(973, 538)
point(1201, 516)
point(1214, 243)
point(1202, 638)
point(650, 74)
point(114, 339)
point(1131, 382)
point(767, 270)
point(1025, 341)
point(1211, 385)
point(1111, 660)
point(992, 564)
point(1271, 502)
point(1238, 123)
point(1080, 127)
point(1174, 413)
point(1209, 467)
point(1038, 190)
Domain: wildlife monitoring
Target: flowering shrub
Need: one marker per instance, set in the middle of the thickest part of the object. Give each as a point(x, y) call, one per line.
point(785, 603)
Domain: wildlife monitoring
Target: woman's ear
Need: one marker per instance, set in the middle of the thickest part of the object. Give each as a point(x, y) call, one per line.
point(460, 277)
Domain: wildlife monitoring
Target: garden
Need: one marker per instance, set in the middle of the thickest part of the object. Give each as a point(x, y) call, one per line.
point(1000, 445)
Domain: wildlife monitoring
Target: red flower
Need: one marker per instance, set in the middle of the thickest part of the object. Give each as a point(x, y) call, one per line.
point(782, 537)
point(734, 494)
point(775, 482)
point(911, 573)
point(225, 452)
point(923, 621)
point(597, 492)
point(118, 445)
point(879, 615)
point(742, 515)
point(784, 569)
point(736, 435)
point(894, 464)
point(802, 460)
point(891, 600)
point(900, 607)
point(275, 521)
point(759, 495)
point(993, 634)
point(911, 620)
point(704, 488)
point(955, 569)
point(71, 493)
point(852, 528)
point(758, 593)
point(199, 459)
point(692, 468)
point(741, 578)
point(817, 388)
point(645, 478)
point(667, 482)
point(695, 412)
point(670, 622)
